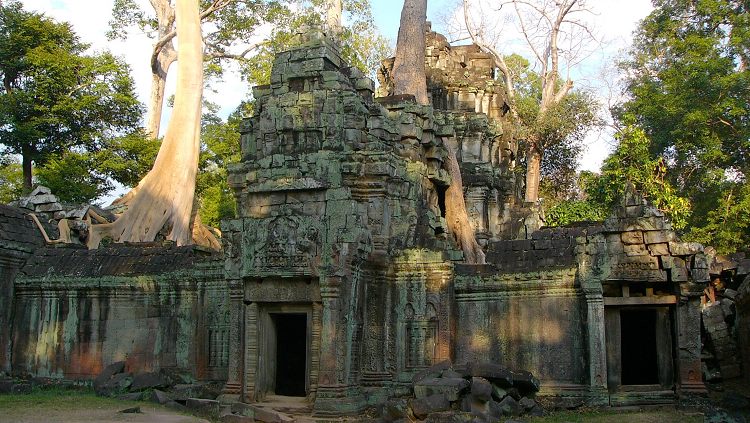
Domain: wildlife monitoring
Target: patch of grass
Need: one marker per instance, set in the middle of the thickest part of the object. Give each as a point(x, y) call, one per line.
point(620, 416)
point(60, 399)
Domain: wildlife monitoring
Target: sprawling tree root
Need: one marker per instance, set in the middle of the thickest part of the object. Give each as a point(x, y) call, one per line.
point(165, 196)
point(456, 215)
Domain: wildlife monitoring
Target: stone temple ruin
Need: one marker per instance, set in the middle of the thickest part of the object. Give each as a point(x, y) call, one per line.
point(339, 281)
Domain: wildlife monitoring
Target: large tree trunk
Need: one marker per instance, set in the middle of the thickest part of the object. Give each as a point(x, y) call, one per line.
point(456, 215)
point(159, 73)
point(409, 67)
point(26, 167)
point(333, 15)
point(533, 171)
point(165, 196)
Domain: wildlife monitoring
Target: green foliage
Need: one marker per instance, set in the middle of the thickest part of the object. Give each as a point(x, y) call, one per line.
point(631, 162)
point(220, 146)
point(68, 176)
point(362, 45)
point(689, 84)
point(574, 211)
point(727, 226)
point(560, 130)
point(11, 179)
point(55, 98)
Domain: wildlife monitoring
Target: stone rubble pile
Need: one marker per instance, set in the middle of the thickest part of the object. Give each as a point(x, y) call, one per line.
point(178, 391)
point(167, 387)
point(50, 211)
point(484, 392)
point(721, 360)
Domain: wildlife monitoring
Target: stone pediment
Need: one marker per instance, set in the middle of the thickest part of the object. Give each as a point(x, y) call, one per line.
point(285, 246)
point(288, 184)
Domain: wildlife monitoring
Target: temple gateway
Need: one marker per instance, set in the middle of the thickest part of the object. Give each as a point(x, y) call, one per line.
point(339, 279)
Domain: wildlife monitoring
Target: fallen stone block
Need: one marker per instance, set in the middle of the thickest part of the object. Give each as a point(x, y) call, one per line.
point(527, 403)
point(525, 382)
point(115, 385)
point(476, 408)
point(451, 387)
point(182, 392)
point(131, 410)
point(495, 373)
point(108, 372)
point(498, 393)
point(431, 372)
point(395, 409)
point(160, 397)
point(150, 380)
point(204, 407)
point(481, 389)
point(510, 407)
point(421, 407)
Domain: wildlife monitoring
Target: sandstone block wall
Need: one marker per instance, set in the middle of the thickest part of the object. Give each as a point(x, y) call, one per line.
point(155, 307)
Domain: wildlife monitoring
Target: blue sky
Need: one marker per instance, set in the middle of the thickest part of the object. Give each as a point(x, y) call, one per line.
point(614, 19)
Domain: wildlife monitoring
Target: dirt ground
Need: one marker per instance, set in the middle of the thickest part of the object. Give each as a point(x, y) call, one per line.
point(103, 414)
point(73, 407)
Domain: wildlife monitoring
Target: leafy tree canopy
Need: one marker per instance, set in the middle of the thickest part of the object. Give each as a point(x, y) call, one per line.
point(689, 85)
point(55, 97)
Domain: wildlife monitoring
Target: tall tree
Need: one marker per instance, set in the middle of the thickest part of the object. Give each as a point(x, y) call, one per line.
point(55, 97)
point(409, 77)
point(555, 36)
point(164, 198)
point(409, 67)
point(229, 23)
point(689, 85)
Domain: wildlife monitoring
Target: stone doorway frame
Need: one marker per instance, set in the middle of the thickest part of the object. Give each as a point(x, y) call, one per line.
point(267, 347)
point(666, 349)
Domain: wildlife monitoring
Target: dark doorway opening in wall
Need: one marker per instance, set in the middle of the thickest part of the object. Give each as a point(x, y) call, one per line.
point(291, 353)
point(639, 347)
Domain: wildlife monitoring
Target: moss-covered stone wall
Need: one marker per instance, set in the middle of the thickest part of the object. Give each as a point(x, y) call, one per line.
point(154, 307)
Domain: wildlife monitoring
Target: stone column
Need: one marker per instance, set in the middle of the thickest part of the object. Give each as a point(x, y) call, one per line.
point(8, 270)
point(250, 351)
point(597, 346)
point(233, 387)
point(688, 316)
point(335, 396)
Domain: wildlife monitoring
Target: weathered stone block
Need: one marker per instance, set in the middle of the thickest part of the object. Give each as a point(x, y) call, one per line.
point(525, 382)
point(151, 380)
point(495, 373)
point(658, 237)
point(116, 384)
point(481, 389)
point(395, 409)
point(635, 250)
point(510, 406)
point(452, 388)
point(685, 248)
point(659, 249)
point(421, 407)
point(632, 237)
point(108, 372)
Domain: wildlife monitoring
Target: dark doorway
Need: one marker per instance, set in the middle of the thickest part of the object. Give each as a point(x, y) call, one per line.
point(638, 347)
point(291, 353)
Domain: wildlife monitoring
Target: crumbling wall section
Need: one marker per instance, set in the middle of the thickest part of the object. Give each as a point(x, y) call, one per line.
point(18, 240)
point(154, 307)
